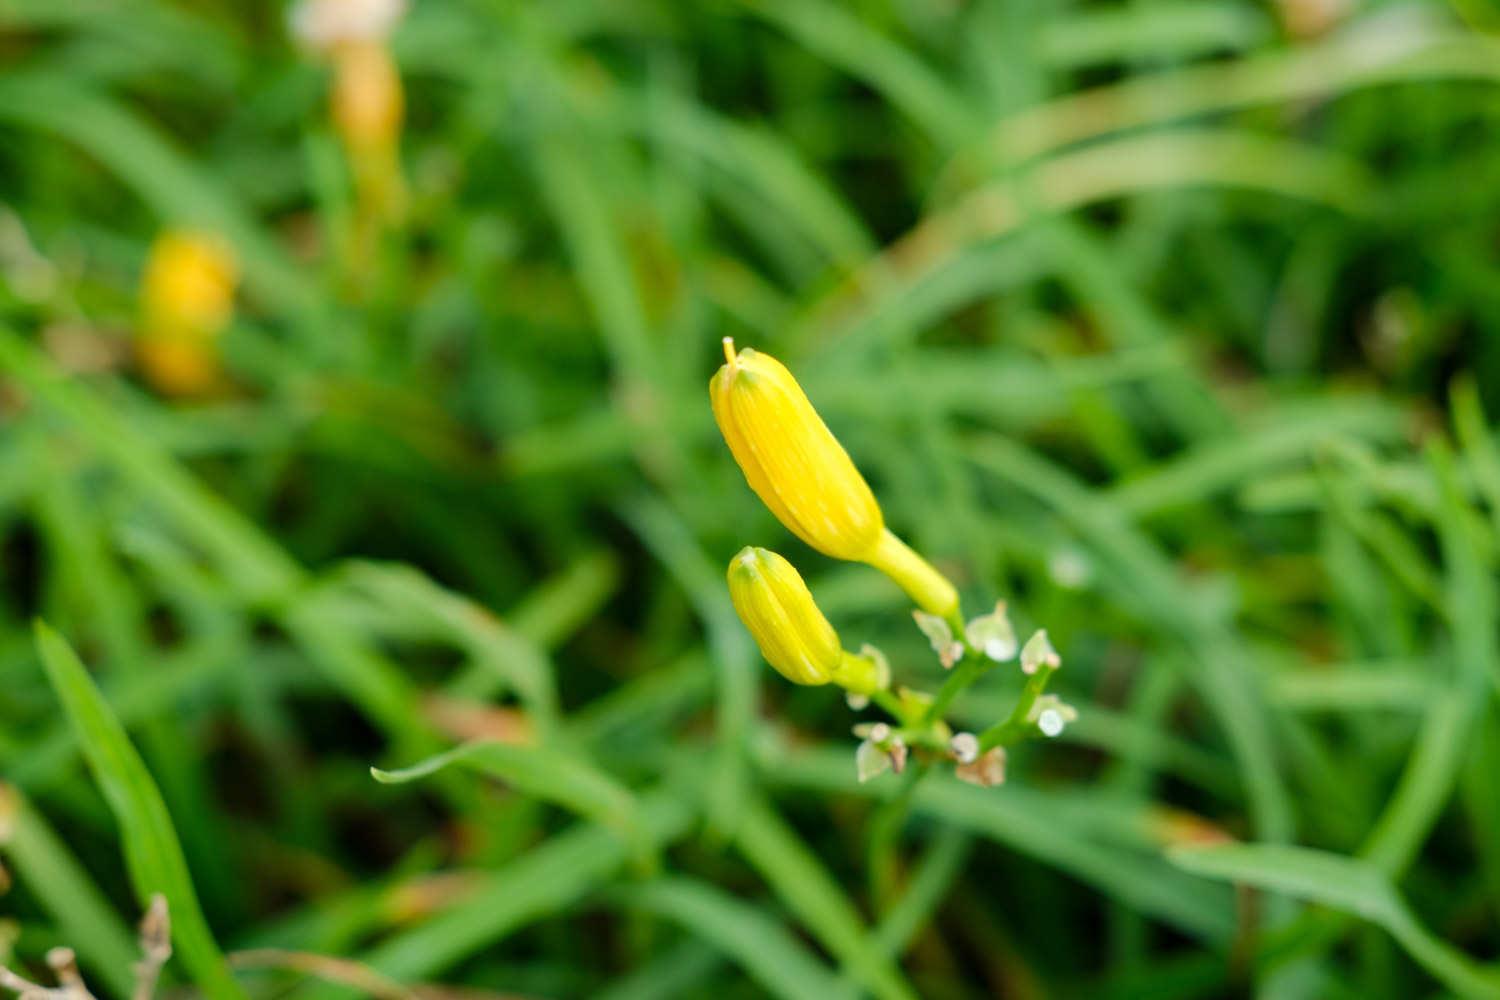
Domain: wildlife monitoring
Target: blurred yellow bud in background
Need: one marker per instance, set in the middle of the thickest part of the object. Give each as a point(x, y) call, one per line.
point(368, 102)
point(187, 299)
point(793, 636)
point(800, 471)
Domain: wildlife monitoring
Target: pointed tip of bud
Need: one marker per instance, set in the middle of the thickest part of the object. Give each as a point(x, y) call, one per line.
point(940, 635)
point(1038, 652)
point(776, 607)
point(790, 458)
point(993, 635)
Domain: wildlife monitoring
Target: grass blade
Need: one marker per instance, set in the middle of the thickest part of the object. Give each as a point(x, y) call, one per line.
point(152, 852)
point(807, 889)
point(549, 878)
point(1029, 822)
point(66, 891)
point(1345, 884)
point(775, 959)
point(542, 772)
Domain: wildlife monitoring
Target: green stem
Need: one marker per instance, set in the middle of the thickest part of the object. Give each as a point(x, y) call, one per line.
point(892, 706)
point(885, 834)
point(973, 666)
point(1019, 724)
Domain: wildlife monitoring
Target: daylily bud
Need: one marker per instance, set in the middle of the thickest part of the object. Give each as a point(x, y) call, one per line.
point(368, 101)
point(793, 636)
point(800, 471)
point(368, 104)
point(790, 458)
point(187, 298)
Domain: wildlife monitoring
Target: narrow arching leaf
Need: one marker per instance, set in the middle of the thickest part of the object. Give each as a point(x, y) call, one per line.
point(152, 852)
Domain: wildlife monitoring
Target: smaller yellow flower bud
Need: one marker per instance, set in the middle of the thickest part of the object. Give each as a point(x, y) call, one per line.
point(800, 471)
point(368, 102)
point(793, 636)
point(187, 298)
point(368, 107)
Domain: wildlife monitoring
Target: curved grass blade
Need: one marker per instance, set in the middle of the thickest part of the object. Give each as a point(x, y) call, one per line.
point(153, 854)
point(770, 955)
point(1382, 53)
point(549, 878)
point(1446, 736)
point(1116, 168)
point(541, 772)
point(1171, 30)
point(66, 892)
point(1033, 823)
point(260, 571)
point(406, 595)
point(670, 541)
point(1345, 884)
point(1291, 438)
point(163, 178)
point(810, 892)
point(761, 161)
point(1148, 580)
point(846, 41)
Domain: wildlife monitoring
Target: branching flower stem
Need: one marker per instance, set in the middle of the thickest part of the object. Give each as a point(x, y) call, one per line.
point(892, 706)
point(885, 828)
point(1019, 725)
point(973, 666)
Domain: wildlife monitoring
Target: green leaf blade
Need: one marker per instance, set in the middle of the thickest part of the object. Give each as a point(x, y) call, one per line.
point(153, 853)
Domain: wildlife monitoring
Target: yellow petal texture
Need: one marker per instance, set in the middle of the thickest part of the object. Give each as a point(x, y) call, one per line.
point(777, 608)
point(791, 459)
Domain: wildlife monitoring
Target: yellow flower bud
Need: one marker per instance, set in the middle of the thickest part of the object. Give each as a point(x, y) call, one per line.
point(793, 636)
point(368, 106)
point(790, 458)
point(368, 103)
point(187, 298)
point(800, 471)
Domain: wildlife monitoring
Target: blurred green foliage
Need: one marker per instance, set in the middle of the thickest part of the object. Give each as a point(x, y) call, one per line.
point(1175, 323)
